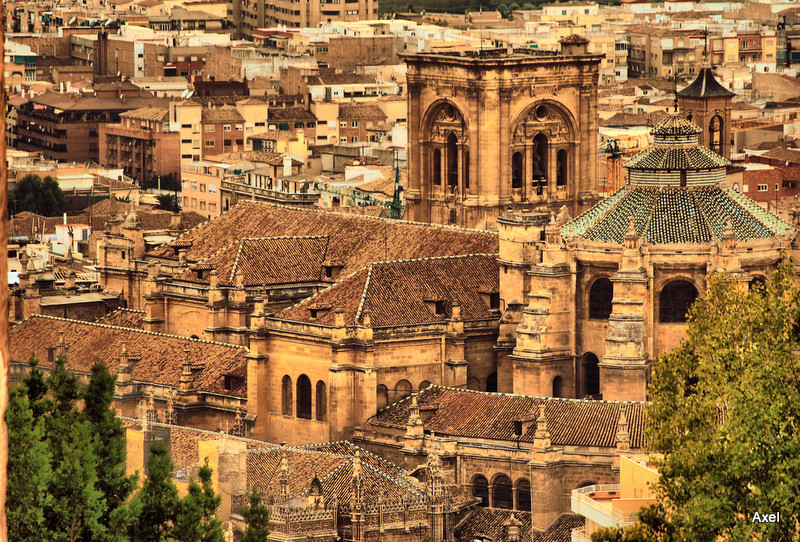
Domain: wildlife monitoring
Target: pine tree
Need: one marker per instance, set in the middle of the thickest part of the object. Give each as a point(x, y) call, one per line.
point(196, 520)
point(155, 506)
point(257, 517)
point(76, 505)
point(109, 437)
point(36, 387)
point(28, 470)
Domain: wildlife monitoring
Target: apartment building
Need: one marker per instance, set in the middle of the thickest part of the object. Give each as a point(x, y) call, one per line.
point(142, 144)
point(248, 15)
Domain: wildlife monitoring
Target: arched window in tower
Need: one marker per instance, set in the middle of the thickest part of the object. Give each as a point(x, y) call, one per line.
point(539, 149)
point(402, 389)
point(601, 295)
point(715, 134)
point(675, 300)
point(558, 385)
point(516, 170)
point(591, 375)
point(523, 495)
point(561, 168)
point(465, 169)
point(437, 166)
point(286, 396)
point(502, 493)
point(480, 489)
point(452, 161)
point(322, 401)
point(304, 397)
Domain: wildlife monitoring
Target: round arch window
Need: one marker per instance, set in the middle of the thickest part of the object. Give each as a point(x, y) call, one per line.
point(541, 112)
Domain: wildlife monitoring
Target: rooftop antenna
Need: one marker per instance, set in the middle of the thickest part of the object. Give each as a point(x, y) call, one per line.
point(480, 18)
point(706, 63)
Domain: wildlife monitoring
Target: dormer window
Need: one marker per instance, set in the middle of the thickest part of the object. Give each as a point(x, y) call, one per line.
point(436, 306)
point(319, 310)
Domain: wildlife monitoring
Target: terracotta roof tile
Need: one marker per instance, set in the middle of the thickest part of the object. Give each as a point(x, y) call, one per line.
point(361, 111)
point(467, 413)
point(705, 85)
point(124, 318)
point(147, 113)
point(488, 522)
point(266, 261)
point(226, 113)
point(161, 355)
point(290, 113)
point(404, 292)
point(355, 240)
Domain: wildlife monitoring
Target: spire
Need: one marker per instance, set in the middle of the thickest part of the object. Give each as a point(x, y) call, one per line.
point(170, 416)
point(283, 477)
point(152, 415)
point(187, 378)
point(541, 439)
point(238, 424)
point(623, 437)
point(358, 495)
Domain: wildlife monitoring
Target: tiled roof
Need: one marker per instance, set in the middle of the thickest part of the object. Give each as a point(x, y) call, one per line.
point(124, 318)
point(705, 85)
point(290, 113)
point(673, 214)
point(362, 111)
point(633, 119)
point(333, 466)
point(355, 240)
point(482, 415)
point(161, 355)
point(670, 158)
point(488, 522)
point(265, 261)
point(226, 113)
point(257, 157)
point(133, 100)
point(785, 154)
point(331, 77)
point(573, 39)
point(400, 292)
point(675, 125)
point(147, 113)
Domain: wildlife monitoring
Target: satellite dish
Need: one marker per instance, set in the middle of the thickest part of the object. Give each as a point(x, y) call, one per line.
point(184, 93)
point(72, 21)
point(108, 22)
point(191, 93)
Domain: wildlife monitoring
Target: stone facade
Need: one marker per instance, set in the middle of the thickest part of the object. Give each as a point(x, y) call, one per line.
point(497, 128)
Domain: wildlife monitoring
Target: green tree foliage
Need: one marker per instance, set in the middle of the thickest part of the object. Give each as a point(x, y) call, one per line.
point(196, 519)
point(43, 197)
point(36, 388)
point(168, 202)
point(651, 527)
point(155, 506)
point(109, 440)
point(257, 517)
point(725, 416)
point(28, 469)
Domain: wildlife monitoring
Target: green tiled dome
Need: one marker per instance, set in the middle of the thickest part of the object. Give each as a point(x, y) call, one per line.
point(675, 214)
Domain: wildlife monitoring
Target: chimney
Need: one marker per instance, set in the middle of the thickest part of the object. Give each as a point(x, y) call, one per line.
point(287, 165)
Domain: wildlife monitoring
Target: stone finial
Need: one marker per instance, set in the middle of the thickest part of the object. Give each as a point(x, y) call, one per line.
point(511, 529)
point(366, 318)
point(563, 216)
point(31, 265)
point(338, 313)
point(152, 415)
point(170, 416)
point(413, 417)
point(456, 310)
point(238, 423)
point(358, 495)
point(213, 279)
point(238, 279)
point(283, 476)
point(143, 415)
point(124, 367)
point(541, 439)
point(186, 381)
point(623, 437)
point(61, 345)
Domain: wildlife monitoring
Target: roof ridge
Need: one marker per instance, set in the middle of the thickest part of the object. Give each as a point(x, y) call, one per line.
point(98, 324)
point(198, 430)
point(427, 258)
point(236, 260)
point(363, 294)
point(562, 399)
point(217, 252)
point(330, 287)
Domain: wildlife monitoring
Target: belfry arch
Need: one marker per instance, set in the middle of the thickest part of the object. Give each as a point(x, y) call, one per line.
point(446, 151)
point(543, 152)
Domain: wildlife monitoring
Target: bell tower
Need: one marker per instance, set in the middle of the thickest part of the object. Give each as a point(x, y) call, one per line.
point(707, 103)
point(500, 128)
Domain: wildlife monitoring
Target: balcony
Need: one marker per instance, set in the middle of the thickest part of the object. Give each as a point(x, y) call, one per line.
point(288, 198)
point(596, 503)
point(579, 535)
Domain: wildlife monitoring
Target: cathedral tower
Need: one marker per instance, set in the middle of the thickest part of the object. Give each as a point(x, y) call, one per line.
point(708, 104)
point(496, 128)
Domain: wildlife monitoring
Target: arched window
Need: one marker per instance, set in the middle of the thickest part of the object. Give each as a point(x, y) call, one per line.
point(561, 168)
point(286, 396)
point(452, 160)
point(675, 300)
point(591, 374)
point(558, 384)
point(516, 170)
point(523, 495)
point(480, 489)
point(437, 166)
point(304, 397)
point(601, 295)
point(322, 401)
point(586, 483)
point(383, 396)
point(539, 152)
point(715, 134)
point(402, 389)
point(502, 493)
point(491, 382)
point(465, 169)
point(424, 385)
